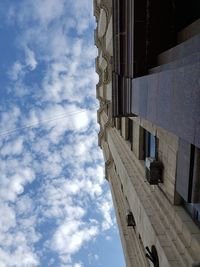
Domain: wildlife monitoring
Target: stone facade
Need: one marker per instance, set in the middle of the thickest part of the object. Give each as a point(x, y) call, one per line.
point(160, 220)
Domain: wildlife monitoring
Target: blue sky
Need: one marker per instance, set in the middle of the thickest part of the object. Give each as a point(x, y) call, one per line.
point(55, 205)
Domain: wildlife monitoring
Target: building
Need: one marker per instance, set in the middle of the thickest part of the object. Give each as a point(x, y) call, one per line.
point(149, 93)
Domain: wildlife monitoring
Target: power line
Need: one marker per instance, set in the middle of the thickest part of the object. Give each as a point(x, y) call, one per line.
point(26, 126)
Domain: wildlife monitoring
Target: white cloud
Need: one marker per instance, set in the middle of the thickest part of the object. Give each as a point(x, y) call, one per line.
point(71, 79)
point(24, 205)
point(83, 11)
point(13, 181)
point(58, 200)
point(9, 120)
point(7, 218)
point(64, 199)
point(106, 208)
point(16, 238)
point(19, 69)
point(16, 71)
point(47, 10)
point(71, 235)
point(30, 59)
point(21, 257)
point(13, 148)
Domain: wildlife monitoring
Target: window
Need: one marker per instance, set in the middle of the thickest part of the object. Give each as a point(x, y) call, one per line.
point(130, 132)
point(188, 178)
point(149, 145)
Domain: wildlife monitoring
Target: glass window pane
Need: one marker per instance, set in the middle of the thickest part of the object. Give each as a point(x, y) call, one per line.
point(152, 146)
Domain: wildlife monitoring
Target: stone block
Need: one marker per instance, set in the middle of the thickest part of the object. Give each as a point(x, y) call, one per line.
point(109, 91)
point(172, 141)
point(164, 241)
point(192, 228)
point(173, 263)
point(158, 227)
point(195, 244)
point(163, 261)
point(171, 166)
point(189, 228)
point(169, 252)
point(161, 133)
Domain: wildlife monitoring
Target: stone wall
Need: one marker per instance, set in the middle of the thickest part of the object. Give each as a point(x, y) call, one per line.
point(159, 221)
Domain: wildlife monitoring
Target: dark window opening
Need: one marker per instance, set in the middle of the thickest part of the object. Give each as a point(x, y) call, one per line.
point(130, 131)
point(117, 123)
point(114, 122)
point(120, 125)
point(122, 188)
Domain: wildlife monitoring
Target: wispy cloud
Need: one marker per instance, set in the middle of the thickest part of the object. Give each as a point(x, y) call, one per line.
point(30, 59)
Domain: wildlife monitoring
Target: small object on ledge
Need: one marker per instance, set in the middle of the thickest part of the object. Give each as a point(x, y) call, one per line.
point(130, 219)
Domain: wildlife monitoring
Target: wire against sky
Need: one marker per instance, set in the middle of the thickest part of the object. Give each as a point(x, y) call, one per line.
point(26, 126)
